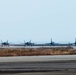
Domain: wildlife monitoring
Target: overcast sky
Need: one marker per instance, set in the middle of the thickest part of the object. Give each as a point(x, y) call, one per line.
point(38, 20)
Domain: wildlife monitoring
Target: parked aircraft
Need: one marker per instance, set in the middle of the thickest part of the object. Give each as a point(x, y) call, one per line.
point(29, 43)
point(4, 43)
point(63, 44)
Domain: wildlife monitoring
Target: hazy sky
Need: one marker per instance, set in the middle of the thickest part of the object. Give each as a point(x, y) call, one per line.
point(38, 20)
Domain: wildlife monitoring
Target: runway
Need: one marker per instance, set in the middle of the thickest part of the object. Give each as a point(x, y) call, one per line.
point(38, 64)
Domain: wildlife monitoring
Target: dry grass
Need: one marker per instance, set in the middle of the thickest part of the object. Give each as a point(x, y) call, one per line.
point(36, 51)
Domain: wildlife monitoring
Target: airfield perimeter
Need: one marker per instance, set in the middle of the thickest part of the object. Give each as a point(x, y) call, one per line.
point(31, 51)
point(23, 60)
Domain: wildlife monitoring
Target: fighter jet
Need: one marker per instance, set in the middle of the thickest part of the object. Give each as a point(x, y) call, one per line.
point(4, 43)
point(29, 43)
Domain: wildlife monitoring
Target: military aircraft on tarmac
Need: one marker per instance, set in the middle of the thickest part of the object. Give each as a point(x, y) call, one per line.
point(61, 44)
point(4, 43)
point(29, 43)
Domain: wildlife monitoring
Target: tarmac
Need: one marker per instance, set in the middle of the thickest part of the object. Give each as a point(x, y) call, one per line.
point(24, 64)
